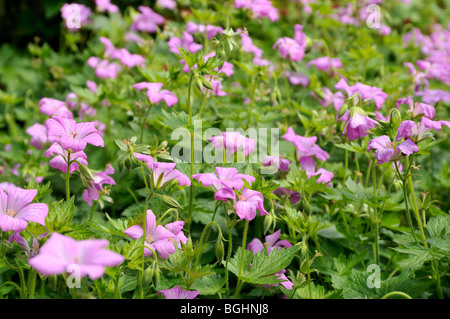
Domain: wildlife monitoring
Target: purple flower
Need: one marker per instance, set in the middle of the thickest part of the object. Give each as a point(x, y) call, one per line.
point(358, 124)
point(248, 46)
point(325, 63)
point(106, 5)
point(103, 68)
point(307, 163)
point(163, 173)
point(365, 91)
point(60, 160)
point(305, 146)
point(210, 30)
point(178, 293)
point(128, 59)
point(52, 107)
point(385, 150)
point(100, 178)
point(409, 129)
point(294, 197)
point(433, 96)
point(278, 161)
point(71, 135)
point(62, 254)
point(289, 47)
point(247, 203)
point(234, 141)
point(185, 42)
point(176, 228)
point(297, 78)
point(147, 20)
point(154, 93)
point(226, 177)
point(147, 159)
point(156, 237)
point(168, 4)
point(38, 134)
point(295, 47)
point(259, 8)
point(75, 15)
point(271, 242)
point(16, 210)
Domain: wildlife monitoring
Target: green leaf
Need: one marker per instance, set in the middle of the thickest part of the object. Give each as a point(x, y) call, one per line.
point(260, 268)
point(209, 285)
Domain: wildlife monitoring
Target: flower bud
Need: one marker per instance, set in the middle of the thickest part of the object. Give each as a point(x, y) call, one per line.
point(219, 249)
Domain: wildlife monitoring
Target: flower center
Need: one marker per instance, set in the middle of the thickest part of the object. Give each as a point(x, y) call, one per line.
point(240, 197)
point(266, 244)
point(74, 134)
point(10, 212)
point(149, 239)
point(171, 239)
point(392, 144)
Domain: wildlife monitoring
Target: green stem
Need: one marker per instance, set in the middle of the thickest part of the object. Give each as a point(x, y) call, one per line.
point(68, 177)
point(94, 205)
point(230, 248)
point(252, 102)
point(32, 283)
point(244, 240)
point(415, 209)
point(144, 121)
point(144, 228)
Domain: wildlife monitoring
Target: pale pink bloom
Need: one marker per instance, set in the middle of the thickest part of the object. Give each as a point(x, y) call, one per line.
point(147, 20)
point(106, 5)
point(178, 293)
point(38, 134)
point(155, 94)
point(61, 254)
point(156, 237)
point(75, 15)
point(60, 160)
point(50, 107)
point(234, 141)
point(16, 209)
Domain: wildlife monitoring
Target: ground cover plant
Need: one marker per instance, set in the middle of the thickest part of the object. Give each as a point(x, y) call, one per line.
point(228, 149)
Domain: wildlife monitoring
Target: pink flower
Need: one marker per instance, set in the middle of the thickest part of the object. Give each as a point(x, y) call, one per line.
point(60, 160)
point(234, 141)
point(106, 5)
point(325, 63)
point(210, 30)
point(75, 15)
point(185, 42)
point(178, 293)
point(385, 150)
point(100, 178)
point(294, 197)
point(52, 107)
point(358, 124)
point(365, 91)
point(248, 46)
point(16, 210)
point(154, 93)
point(278, 161)
point(147, 20)
point(297, 78)
point(259, 8)
point(226, 177)
point(176, 228)
point(307, 163)
point(289, 47)
point(271, 242)
point(163, 173)
point(295, 47)
point(128, 59)
point(168, 4)
point(38, 134)
point(156, 237)
point(71, 135)
point(409, 129)
point(247, 203)
point(145, 158)
point(103, 68)
point(305, 146)
point(62, 254)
